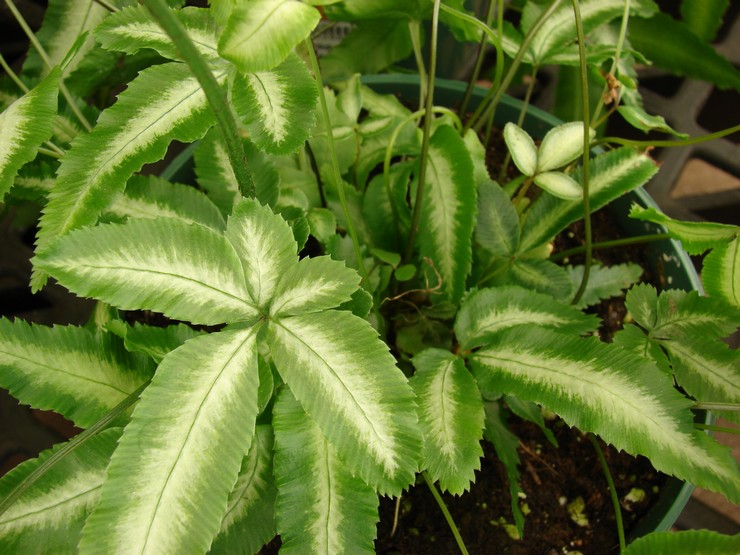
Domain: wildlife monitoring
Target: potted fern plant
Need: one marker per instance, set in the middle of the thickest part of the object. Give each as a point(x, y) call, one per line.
point(352, 300)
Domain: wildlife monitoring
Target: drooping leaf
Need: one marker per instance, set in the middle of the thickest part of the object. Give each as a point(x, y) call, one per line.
point(186, 271)
point(64, 22)
point(314, 284)
point(153, 341)
point(249, 521)
point(638, 118)
point(152, 197)
point(671, 45)
point(265, 245)
point(334, 511)
point(134, 28)
point(448, 211)
point(720, 274)
point(277, 105)
point(497, 229)
point(695, 237)
point(611, 175)
point(67, 369)
point(704, 17)
point(487, 312)
point(48, 517)
point(604, 281)
point(169, 481)
point(608, 391)
point(451, 418)
point(260, 34)
point(163, 104)
point(561, 145)
point(522, 148)
point(25, 124)
point(531, 413)
point(684, 542)
point(347, 381)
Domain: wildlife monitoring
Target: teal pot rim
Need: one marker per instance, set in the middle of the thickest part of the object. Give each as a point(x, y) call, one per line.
point(676, 264)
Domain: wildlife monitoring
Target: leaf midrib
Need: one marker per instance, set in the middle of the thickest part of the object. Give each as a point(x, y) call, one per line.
point(51, 507)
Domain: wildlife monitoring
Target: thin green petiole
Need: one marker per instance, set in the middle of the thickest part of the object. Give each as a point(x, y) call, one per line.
point(612, 492)
point(670, 143)
point(446, 513)
point(722, 429)
point(610, 244)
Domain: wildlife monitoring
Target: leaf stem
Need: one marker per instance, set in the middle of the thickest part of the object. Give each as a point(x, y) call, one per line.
point(215, 94)
point(610, 244)
point(45, 57)
point(586, 152)
point(712, 428)
point(446, 513)
point(423, 157)
point(108, 6)
point(481, 55)
point(670, 143)
point(733, 407)
point(13, 75)
point(70, 446)
point(415, 33)
point(612, 492)
point(615, 62)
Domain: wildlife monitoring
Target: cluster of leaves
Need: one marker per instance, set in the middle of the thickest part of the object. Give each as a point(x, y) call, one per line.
point(378, 302)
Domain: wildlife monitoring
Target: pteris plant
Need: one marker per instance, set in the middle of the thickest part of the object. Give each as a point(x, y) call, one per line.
point(351, 298)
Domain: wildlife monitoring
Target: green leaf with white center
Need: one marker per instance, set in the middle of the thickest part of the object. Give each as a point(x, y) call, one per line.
point(277, 105)
point(695, 237)
point(152, 197)
point(604, 281)
point(487, 312)
point(633, 339)
point(606, 390)
point(153, 341)
point(347, 381)
point(323, 223)
point(312, 285)
point(638, 118)
point(24, 125)
point(538, 275)
point(612, 174)
point(162, 104)
point(186, 271)
point(249, 521)
point(49, 515)
point(684, 542)
point(64, 22)
point(448, 211)
point(451, 419)
point(169, 481)
point(522, 148)
point(720, 274)
point(559, 185)
point(133, 28)
point(260, 34)
point(332, 513)
point(561, 145)
point(707, 370)
point(69, 370)
point(214, 172)
point(497, 229)
point(642, 304)
point(265, 245)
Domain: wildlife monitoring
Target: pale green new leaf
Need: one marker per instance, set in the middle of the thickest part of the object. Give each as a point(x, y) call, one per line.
point(265, 245)
point(333, 512)
point(522, 148)
point(249, 521)
point(559, 185)
point(162, 104)
point(448, 211)
point(497, 229)
point(612, 174)
point(314, 284)
point(148, 196)
point(609, 391)
point(67, 369)
point(186, 271)
point(695, 237)
point(24, 125)
point(604, 281)
point(451, 419)
point(685, 542)
point(561, 145)
point(260, 34)
point(169, 481)
point(277, 105)
point(347, 381)
point(487, 312)
point(48, 517)
point(153, 341)
point(64, 22)
point(721, 272)
point(134, 28)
